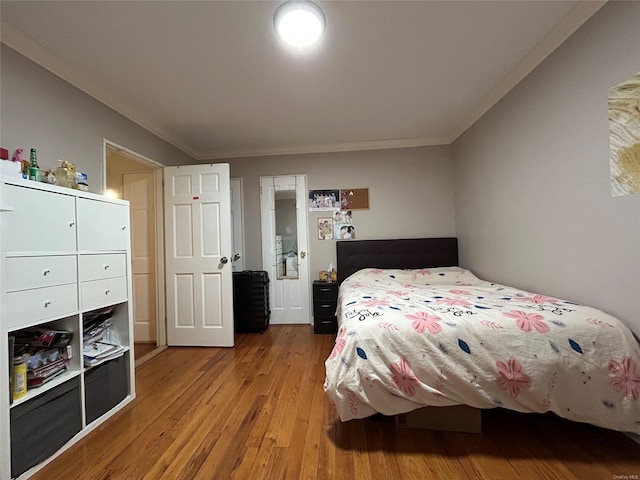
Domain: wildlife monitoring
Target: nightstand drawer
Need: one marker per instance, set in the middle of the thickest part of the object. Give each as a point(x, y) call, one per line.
point(323, 292)
point(324, 309)
point(323, 325)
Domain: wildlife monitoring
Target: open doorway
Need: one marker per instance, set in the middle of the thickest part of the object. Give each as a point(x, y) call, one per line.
point(133, 177)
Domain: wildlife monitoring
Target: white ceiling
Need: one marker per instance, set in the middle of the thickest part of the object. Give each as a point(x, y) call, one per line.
point(211, 78)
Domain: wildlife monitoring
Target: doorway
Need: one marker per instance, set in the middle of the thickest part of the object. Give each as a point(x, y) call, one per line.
point(133, 177)
point(285, 246)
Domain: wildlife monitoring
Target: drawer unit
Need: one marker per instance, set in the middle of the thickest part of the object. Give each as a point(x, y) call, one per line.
point(97, 267)
point(100, 293)
point(28, 306)
point(64, 254)
point(35, 272)
point(325, 302)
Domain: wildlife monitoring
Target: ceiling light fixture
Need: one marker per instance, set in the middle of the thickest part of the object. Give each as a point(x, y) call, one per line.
point(299, 23)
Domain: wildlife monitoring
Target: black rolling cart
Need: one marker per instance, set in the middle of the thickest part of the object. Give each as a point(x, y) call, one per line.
point(251, 311)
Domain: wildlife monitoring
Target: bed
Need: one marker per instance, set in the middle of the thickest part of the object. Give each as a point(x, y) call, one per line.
point(416, 330)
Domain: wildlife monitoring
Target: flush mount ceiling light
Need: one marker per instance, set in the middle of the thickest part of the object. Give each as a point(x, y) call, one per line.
point(299, 23)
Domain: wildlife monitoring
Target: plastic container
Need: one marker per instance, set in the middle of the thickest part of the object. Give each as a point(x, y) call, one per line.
point(19, 380)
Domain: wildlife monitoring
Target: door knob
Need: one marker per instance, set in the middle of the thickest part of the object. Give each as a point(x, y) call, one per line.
point(224, 260)
point(303, 254)
point(236, 257)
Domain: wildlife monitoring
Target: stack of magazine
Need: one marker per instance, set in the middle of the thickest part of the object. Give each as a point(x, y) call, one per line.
point(97, 346)
point(97, 352)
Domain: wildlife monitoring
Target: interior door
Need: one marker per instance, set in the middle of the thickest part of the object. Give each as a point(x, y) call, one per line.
point(139, 190)
point(284, 247)
point(198, 250)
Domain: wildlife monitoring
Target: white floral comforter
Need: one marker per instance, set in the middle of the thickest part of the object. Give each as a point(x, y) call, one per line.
point(413, 338)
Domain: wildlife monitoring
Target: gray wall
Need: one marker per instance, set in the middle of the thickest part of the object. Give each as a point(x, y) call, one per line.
point(532, 196)
point(411, 190)
point(410, 195)
point(40, 110)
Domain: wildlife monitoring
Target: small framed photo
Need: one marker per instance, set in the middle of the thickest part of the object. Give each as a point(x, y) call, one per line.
point(325, 228)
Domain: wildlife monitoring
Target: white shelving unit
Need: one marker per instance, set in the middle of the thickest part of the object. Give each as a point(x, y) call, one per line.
point(64, 254)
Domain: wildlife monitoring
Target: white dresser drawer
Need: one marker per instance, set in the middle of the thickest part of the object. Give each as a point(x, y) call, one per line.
point(28, 306)
point(25, 273)
point(100, 293)
point(39, 221)
point(102, 225)
point(96, 267)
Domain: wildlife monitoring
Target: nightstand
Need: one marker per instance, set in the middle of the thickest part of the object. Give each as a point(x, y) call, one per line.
point(325, 301)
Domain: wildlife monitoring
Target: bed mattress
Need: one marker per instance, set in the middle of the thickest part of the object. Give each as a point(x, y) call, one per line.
point(441, 337)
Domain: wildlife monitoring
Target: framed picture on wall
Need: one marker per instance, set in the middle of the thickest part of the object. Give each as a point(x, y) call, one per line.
point(325, 228)
point(324, 200)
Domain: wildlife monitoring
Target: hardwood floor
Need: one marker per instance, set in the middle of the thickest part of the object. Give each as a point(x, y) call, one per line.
point(141, 349)
point(258, 411)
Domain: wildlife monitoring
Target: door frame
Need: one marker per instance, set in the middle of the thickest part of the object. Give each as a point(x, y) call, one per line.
point(161, 327)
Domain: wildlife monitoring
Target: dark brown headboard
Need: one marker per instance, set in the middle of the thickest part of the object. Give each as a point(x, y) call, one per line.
point(354, 255)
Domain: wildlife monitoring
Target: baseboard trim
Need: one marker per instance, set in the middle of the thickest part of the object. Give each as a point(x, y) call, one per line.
point(150, 355)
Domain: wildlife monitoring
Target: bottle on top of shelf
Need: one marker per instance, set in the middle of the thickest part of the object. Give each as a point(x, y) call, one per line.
point(34, 169)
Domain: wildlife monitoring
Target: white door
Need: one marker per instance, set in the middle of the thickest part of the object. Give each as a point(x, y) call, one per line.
point(237, 226)
point(198, 250)
point(139, 190)
point(284, 247)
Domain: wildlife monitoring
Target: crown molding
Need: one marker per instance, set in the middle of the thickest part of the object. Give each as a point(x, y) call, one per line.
point(327, 148)
point(26, 46)
point(576, 17)
point(23, 44)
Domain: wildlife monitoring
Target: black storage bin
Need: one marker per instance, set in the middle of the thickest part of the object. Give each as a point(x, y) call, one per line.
point(105, 386)
point(251, 301)
point(39, 427)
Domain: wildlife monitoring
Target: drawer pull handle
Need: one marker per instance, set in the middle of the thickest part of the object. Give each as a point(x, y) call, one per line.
point(325, 289)
point(46, 272)
point(326, 305)
point(106, 267)
point(71, 224)
point(124, 228)
point(106, 292)
point(47, 303)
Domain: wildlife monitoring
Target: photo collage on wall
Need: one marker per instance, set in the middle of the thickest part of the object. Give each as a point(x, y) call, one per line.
point(338, 226)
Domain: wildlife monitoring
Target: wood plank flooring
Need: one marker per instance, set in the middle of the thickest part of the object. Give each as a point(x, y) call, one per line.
point(258, 411)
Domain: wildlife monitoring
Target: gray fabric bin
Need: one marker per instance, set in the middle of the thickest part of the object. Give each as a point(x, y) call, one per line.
point(105, 386)
point(39, 427)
